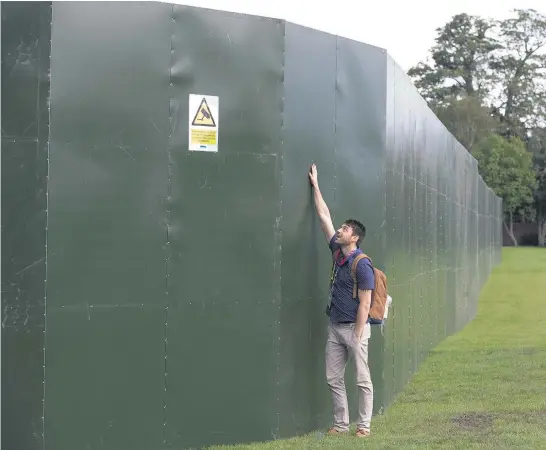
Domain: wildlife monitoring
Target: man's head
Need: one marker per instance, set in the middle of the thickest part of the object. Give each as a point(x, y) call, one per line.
point(351, 231)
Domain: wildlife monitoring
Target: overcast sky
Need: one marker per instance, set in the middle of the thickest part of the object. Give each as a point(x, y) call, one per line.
point(405, 28)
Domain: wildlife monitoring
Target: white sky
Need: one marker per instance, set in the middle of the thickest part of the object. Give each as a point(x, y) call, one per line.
point(405, 28)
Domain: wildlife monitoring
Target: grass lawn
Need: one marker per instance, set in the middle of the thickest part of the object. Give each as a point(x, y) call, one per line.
point(484, 387)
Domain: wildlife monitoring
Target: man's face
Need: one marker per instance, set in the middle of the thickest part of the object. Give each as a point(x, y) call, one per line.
point(344, 235)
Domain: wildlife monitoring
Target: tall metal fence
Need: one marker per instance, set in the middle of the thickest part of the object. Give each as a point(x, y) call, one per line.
point(164, 275)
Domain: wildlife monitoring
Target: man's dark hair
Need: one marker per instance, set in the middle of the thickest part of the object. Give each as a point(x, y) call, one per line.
point(358, 229)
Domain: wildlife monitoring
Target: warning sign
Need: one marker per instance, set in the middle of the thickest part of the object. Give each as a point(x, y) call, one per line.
point(203, 123)
point(203, 116)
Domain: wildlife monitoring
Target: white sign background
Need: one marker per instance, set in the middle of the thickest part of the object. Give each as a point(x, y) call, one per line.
point(203, 138)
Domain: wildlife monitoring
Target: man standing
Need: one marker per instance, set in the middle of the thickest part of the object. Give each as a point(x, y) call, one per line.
point(348, 327)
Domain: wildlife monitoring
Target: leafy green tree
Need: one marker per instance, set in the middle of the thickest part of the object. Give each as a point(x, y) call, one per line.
point(537, 146)
point(501, 63)
point(468, 120)
point(460, 61)
point(507, 168)
point(518, 71)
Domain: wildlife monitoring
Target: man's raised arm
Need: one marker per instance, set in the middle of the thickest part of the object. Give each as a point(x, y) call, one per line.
point(322, 209)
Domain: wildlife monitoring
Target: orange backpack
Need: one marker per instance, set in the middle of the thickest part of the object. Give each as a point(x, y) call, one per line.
point(379, 294)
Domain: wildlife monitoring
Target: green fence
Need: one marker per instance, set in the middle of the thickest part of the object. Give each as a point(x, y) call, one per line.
point(159, 297)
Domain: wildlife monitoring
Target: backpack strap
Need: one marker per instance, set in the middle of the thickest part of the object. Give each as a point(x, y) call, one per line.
point(335, 258)
point(366, 256)
point(353, 270)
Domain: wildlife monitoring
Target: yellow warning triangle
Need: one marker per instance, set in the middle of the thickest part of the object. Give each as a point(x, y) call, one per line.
point(203, 116)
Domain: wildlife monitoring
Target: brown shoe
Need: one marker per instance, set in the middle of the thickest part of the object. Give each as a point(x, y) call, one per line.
point(362, 432)
point(334, 432)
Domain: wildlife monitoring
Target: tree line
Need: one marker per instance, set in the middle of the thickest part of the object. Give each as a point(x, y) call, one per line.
point(486, 81)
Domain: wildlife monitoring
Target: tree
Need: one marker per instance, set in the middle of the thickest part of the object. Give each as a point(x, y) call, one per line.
point(507, 167)
point(460, 61)
point(519, 71)
point(537, 146)
point(468, 120)
point(501, 63)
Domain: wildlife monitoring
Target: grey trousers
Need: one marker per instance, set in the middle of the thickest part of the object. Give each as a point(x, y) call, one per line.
point(341, 344)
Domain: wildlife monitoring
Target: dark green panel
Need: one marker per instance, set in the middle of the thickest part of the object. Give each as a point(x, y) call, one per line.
point(396, 124)
point(25, 86)
point(102, 378)
point(223, 295)
point(461, 215)
point(392, 239)
point(238, 58)
point(107, 234)
point(398, 283)
point(459, 218)
point(451, 229)
point(224, 240)
point(430, 236)
point(23, 290)
point(454, 242)
point(22, 27)
point(359, 188)
point(440, 252)
point(419, 277)
point(413, 270)
point(110, 74)
point(106, 226)
point(419, 281)
point(409, 224)
point(24, 172)
point(308, 136)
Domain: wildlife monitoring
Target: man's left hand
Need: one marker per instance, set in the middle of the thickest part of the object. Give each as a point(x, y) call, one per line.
point(358, 334)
